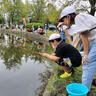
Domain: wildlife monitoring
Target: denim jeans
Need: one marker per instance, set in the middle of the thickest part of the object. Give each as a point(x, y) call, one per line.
point(89, 69)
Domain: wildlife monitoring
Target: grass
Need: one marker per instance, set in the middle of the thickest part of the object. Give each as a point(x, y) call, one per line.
point(50, 32)
point(57, 86)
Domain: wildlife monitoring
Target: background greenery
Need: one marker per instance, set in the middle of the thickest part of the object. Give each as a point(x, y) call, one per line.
point(29, 25)
point(40, 11)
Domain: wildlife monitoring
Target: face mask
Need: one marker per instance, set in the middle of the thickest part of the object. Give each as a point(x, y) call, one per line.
point(65, 27)
point(61, 29)
point(54, 47)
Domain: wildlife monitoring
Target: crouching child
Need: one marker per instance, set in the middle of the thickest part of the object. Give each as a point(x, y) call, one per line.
point(65, 55)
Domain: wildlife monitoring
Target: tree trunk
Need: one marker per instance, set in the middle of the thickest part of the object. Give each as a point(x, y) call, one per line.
point(12, 21)
point(93, 9)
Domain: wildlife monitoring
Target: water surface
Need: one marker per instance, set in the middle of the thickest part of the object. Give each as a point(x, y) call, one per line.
point(20, 70)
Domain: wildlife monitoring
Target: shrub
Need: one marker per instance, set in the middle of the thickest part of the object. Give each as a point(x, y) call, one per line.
point(1, 19)
point(29, 25)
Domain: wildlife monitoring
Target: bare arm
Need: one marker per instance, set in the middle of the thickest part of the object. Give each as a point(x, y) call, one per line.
point(51, 57)
point(53, 54)
point(68, 36)
point(86, 45)
point(85, 42)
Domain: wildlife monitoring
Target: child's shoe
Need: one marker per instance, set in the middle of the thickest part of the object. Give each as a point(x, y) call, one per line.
point(65, 75)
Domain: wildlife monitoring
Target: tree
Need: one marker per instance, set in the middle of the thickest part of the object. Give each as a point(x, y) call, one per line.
point(38, 10)
point(4, 6)
point(1, 19)
point(53, 13)
point(93, 7)
point(16, 12)
point(80, 5)
point(13, 10)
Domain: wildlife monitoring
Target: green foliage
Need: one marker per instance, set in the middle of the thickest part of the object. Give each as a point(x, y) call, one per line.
point(29, 25)
point(53, 14)
point(4, 6)
point(42, 11)
point(1, 19)
point(38, 11)
point(16, 10)
point(30, 50)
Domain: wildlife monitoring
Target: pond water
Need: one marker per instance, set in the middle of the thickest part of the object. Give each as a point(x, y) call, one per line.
point(20, 70)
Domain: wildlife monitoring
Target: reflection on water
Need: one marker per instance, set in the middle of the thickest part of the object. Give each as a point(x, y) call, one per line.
point(12, 55)
point(21, 68)
point(21, 82)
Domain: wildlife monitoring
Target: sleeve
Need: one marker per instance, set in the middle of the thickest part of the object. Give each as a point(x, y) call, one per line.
point(83, 22)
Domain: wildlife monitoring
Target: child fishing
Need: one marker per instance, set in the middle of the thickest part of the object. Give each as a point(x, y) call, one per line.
point(65, 55)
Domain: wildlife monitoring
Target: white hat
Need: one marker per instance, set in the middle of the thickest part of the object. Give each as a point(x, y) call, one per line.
point(66, 11)
point(61, 23)
point(54, 36)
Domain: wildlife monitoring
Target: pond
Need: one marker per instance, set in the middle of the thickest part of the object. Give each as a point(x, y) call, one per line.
point(21, 68)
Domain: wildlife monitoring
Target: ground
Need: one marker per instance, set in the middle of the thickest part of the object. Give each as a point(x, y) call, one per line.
point(57, 86)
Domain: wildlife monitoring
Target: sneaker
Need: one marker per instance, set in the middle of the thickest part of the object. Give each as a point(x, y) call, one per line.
point(60, 72)
point(65, 75)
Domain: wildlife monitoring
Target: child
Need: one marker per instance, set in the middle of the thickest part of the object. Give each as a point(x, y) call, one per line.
point(65, 55)
point(61, 31)
point(85, 25)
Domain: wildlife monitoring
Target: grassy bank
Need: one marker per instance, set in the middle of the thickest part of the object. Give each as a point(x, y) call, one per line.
point(50, 32)
point(57, 86)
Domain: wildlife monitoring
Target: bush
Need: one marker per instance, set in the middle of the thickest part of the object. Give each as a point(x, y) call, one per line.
point(29, 25)
point(1, 19)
